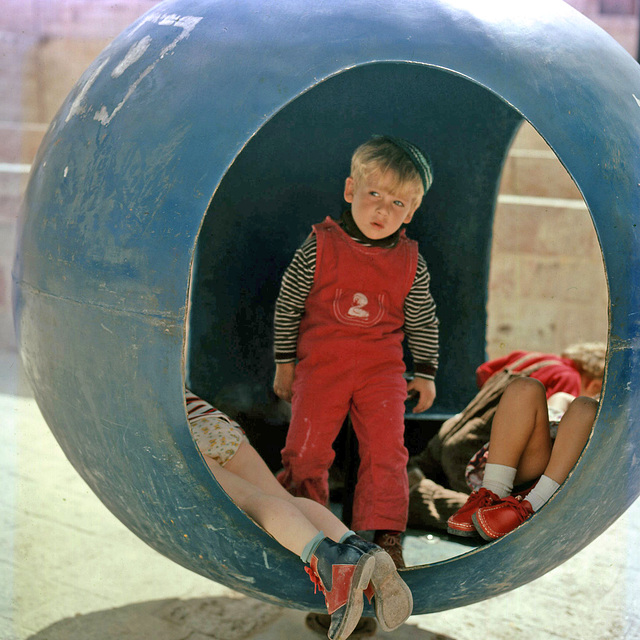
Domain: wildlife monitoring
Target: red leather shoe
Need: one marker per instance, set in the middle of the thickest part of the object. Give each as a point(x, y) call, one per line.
point(497, 520)
point(460, 523)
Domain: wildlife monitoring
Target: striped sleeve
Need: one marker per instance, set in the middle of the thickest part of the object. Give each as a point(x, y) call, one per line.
point(294, 289)
point(198, 408)
point(421, 324)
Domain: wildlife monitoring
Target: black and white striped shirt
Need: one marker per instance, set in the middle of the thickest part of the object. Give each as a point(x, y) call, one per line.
point(420, 326)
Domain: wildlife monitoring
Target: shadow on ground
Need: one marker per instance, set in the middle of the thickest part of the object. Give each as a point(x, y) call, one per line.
point(220, 618)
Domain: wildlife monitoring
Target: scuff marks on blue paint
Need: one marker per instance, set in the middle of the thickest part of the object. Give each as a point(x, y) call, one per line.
point(140, 52)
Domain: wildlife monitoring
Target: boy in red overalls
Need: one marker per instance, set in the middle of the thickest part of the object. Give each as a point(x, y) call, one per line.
point(352, 291)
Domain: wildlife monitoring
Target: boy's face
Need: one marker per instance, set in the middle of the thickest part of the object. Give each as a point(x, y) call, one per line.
point(378, 209)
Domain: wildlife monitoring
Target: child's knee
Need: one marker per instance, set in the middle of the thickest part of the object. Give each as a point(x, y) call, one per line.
point(584, 408)
point(526, 386)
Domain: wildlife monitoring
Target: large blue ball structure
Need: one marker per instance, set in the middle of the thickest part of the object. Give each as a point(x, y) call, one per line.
point(188, 163)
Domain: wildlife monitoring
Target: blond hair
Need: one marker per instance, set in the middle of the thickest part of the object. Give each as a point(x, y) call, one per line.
point(381, 154)
point(589, 357)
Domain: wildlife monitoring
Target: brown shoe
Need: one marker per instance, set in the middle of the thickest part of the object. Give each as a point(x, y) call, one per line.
point(391, 542)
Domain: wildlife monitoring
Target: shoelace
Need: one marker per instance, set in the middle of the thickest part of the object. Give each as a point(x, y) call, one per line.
point(518, 506)
point(483, 499)
point(317, 583)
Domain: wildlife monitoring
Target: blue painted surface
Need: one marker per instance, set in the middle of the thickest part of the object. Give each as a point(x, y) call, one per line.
point(128, 169)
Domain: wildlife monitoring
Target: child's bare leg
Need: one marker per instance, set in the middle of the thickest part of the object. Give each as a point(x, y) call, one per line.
point(249, 483)
point(520, 431)
point(248, 465)
point(573, 432)
point(278, 517)
point(520, 438)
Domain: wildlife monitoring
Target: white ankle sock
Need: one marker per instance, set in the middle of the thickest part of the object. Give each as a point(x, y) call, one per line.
point(499, 479)
point(545, 488)
point(311, 546)
point(347, 535)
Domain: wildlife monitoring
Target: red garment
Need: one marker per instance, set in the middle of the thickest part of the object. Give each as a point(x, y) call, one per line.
point(350, 360)
point(563, 376)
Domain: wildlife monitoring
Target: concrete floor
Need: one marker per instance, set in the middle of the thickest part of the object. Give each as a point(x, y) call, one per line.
point(69, 570)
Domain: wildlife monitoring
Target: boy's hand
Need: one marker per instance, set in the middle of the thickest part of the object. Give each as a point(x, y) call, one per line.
point(283, 381)
point(426, 390)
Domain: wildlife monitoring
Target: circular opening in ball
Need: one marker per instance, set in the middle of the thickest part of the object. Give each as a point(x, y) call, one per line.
point(487, 248)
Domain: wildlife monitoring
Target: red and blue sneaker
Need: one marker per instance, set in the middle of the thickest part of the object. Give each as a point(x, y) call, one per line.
point(391, 596)
point(342, 572)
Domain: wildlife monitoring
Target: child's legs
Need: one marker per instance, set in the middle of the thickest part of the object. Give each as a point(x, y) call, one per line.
point(573, 432)
point(319, 406)
point(278, 517)
point(381, 499)
point(248, 465)
point(520, 436)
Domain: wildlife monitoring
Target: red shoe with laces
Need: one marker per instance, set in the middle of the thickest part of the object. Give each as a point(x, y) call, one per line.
point(460, 523)
point(497, 520)
point(342, 573)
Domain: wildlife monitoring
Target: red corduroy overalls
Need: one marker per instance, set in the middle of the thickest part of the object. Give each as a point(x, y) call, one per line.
point(350, 360)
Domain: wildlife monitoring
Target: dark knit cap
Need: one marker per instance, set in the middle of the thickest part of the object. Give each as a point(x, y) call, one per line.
point(419, 158)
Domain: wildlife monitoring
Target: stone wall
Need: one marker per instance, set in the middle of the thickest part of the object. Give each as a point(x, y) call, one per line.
point(45, 45)
point(547, 282)
point(547, 287)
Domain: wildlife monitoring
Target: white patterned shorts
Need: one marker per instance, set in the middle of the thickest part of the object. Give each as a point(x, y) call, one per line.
point(217, 437)
point(214, 433)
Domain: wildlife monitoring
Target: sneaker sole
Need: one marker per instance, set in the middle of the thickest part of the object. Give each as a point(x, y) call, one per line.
point(355, 602)
point(393, 598)
point(463, 534)
point(481, 531)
